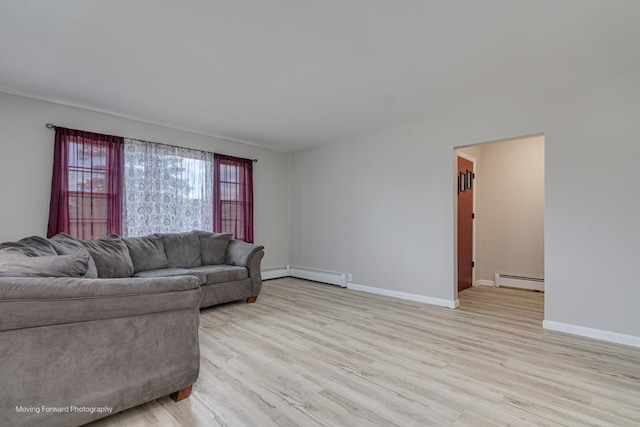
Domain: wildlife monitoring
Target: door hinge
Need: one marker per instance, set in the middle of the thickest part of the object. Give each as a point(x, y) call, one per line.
point(473, 215)
point(473, 264)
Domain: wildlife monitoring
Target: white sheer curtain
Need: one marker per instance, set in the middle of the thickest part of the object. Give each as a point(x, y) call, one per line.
point(167, 189)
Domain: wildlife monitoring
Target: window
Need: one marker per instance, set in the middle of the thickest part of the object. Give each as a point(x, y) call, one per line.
point(167, 189)
point(86, 184)
point(234, 197)
point(88, 189)
point(105, 184)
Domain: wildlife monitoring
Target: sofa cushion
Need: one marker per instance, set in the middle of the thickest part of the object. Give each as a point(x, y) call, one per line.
point(18, 247)
point(147, 253)
point(111, 257)
point(65, 244)
point(40, 244)
point(182, 249)
point(17, 264)
point(213, 247)
point(32, 246)
point(29, 302)
point(222, 273)
point(171, 272)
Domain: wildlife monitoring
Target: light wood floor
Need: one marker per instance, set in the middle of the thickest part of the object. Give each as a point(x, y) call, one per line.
point(308, 354)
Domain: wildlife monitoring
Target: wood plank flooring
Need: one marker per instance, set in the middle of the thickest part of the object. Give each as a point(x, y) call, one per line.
point(308, 354)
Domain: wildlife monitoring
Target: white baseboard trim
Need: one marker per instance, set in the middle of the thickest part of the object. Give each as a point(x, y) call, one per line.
point(340, 279)
point(274, 273)
point(332, 278)
point(485, 283)
point(592, 333)
point(403, 295)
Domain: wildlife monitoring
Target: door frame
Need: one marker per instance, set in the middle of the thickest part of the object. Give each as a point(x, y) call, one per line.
point(457, 153)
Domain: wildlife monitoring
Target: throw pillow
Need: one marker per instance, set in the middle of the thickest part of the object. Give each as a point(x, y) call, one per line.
point(182, 249)
point(15, 264)
point(40, 244)
point(214, 247)
point(31, 246)
point(147, 253)
point(111, 257)
point(65, 244)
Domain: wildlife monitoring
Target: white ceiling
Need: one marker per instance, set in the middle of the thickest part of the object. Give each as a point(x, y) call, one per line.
point(289, 74)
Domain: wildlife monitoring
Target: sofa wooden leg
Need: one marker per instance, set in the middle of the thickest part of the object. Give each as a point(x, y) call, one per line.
point(251, 300)
point(181, 394)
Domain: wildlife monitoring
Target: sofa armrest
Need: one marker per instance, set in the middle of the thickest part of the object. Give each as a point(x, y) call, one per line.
point(241, 253)
point(40, 301)
point(255, 273)
point(247, 255)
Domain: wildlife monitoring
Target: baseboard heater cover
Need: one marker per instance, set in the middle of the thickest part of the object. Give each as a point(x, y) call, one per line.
point(332, 278)
point(274, 273)
point(512, 281)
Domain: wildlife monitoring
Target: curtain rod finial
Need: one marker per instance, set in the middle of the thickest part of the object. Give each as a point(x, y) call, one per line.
point(50, 126)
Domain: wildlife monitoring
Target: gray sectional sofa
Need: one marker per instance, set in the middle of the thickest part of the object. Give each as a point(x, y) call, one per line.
point(228, 269)
point(90, 328)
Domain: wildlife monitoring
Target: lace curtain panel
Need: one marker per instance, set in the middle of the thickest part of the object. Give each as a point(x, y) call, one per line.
point(167, 189)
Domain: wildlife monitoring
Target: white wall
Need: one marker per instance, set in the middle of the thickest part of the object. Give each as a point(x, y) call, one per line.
point(381, 205)
point(510, 208)
point(26, 157)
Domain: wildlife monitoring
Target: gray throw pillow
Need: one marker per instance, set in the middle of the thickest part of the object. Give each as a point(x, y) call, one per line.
point(111, 257)
point(18, 247)
point(40, 244)
point(147, 253)
point(16, 264)
point(214, 247)
point(31, 246)
point(182, 249)
point(65, 244)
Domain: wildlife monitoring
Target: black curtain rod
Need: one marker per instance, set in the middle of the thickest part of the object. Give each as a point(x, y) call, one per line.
point(52, 126)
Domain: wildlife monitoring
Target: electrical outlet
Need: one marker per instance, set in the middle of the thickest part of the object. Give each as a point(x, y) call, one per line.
point(349, 277)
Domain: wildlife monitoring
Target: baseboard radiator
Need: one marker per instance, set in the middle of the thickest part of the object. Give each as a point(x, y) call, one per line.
point(532, 283)
point(339, 279)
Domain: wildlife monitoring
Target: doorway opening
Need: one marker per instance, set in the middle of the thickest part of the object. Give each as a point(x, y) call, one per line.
point(499, 214)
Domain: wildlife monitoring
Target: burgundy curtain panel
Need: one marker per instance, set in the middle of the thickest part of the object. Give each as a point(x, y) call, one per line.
point(87, 184)
point(233, 196)
point(59, 204)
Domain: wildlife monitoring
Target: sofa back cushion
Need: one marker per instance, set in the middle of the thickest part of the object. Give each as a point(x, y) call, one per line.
point(64, 244)
point(14, 263)
point(32, 246)
point(147, 253)
point(111, 257)
point(213, 247)
point(182, 249)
